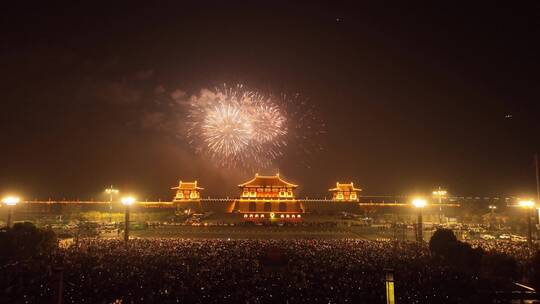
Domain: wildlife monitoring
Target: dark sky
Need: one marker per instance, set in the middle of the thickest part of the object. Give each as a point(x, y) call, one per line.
point(413, 97)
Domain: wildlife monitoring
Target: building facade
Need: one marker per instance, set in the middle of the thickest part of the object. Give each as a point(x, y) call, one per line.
point(188, 197)
point(345, 192)
point(268, 197)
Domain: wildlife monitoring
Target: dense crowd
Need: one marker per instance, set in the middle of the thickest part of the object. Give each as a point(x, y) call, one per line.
point(520, 251)
point(237, 271)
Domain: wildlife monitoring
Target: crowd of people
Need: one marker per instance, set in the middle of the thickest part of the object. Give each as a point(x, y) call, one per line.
point(520, 251)
point(158, 270)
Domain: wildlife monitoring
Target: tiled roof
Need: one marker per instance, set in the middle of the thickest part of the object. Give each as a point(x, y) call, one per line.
point(267, 181)
point(345, 187)
point(187, 186)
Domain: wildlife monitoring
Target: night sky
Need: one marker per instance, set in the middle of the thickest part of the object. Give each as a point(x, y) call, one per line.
point(413, 97)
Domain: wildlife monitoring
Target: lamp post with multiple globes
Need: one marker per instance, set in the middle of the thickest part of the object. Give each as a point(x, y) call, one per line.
point(111, 191)
point(440, 194)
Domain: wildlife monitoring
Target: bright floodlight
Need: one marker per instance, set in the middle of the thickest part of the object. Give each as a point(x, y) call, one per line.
point(526, 204)
point(10, 200)
point(419, 202)
point(128, 201)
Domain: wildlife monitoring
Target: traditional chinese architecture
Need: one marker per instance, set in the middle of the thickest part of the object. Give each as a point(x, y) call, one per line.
point(188, 196)
point(345, 192)
point(268, 197)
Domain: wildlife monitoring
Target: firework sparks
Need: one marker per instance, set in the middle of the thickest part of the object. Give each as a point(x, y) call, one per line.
point(237, 127)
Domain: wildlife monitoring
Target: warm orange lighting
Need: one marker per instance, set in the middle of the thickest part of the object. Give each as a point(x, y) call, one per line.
point(111, 191)
point(299, 216)
point(526, 203)
point(11, 200)
point(419, 202)
point(440, 193)
point(128, 200)
point(245, 215)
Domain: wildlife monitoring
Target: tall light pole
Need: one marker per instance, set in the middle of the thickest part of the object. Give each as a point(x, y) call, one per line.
point(528, 205)
point(127, 202)
point(10, 202)
point(440, 194)
point(111, 191)
point(492, 215)
point(419, 204)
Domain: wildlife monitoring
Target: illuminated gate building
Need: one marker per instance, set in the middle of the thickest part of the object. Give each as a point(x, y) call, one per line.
point(266, 197)
point(188, 196)
point(345, 192)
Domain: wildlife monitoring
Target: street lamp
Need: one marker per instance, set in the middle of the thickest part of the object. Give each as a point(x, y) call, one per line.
point(492, 211)
point(127, 202)
point(419, 204)
point(111, 191)
point(10, 202)
point(528, 205)
point(440, 194)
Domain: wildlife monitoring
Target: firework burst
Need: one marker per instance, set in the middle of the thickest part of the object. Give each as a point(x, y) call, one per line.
point(237, 127)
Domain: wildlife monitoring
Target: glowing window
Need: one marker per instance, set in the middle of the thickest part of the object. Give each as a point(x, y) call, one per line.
point(353, 195)
point(288, 216)
point(262, 215)
point(281, 194)
point(282, 216)
point(193, 194)
point(180, 195)
point(245, 194)
point(251, 215)
point(293, 216)
point(339, 196)
point(256, 215)
point(289, 194)
point(299, 216)
point(253, 194)
point(245, 215)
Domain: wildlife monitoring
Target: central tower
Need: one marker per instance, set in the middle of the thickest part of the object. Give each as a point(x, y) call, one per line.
point(268, 196)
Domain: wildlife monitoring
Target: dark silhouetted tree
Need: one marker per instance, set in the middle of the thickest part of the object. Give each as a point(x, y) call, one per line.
point(24, 240)
point(446, 247)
